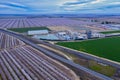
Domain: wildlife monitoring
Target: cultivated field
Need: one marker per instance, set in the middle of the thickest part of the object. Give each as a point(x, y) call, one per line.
point(75, 25)
point(110, 32)
point(32, 22)
point(19, 61)
point(23, 30)
point(7, 41)
point(107, 48)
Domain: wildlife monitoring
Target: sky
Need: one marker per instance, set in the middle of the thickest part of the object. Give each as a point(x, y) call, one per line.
point(59, 6)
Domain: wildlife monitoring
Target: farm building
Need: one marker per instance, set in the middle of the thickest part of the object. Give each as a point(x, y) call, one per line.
point(62, 33)
point(35, 32)
point(82, 36)
point(46, 37)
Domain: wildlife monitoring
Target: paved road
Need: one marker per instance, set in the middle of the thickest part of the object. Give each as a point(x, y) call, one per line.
point(56, 57)
point(55, 51)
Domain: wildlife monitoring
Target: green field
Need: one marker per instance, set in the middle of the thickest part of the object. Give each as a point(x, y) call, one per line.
point(107, 48)
point(109, 32)
point(23, 30)
point(106, 70)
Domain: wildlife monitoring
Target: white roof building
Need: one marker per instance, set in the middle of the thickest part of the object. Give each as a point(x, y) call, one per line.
point(36, 32)
point(82, 36)
point(62, 33)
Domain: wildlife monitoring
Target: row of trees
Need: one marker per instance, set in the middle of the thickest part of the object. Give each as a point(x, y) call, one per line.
point(105, 22)
point(108, 22)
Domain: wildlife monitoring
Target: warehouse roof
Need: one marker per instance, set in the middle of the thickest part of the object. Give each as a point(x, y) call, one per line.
point(34, 32)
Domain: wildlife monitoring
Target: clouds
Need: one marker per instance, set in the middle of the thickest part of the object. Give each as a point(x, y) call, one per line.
point(59, 6)
point(12, 7)
point(80, 2)
point(93, 6)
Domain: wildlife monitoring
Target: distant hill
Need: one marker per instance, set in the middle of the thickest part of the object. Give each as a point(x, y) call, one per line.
point(58, 15)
